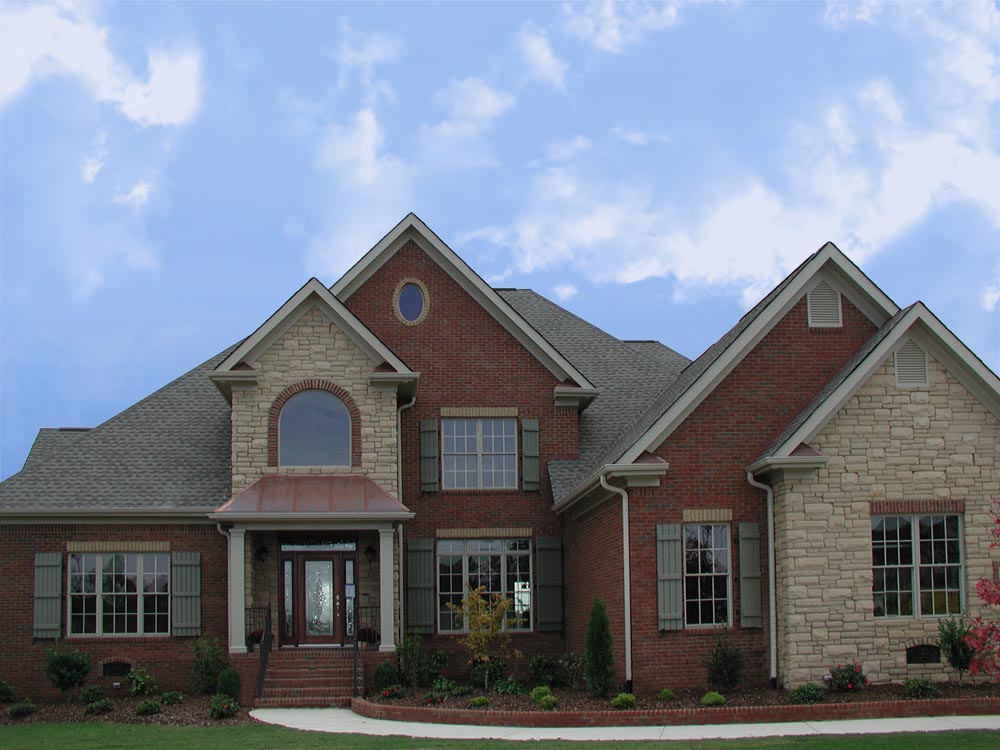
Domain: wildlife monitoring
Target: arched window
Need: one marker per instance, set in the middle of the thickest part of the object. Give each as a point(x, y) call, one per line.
point(314, 429)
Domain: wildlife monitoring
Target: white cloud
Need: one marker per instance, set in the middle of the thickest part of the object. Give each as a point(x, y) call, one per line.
point(40, 41)
point(137, 196)
point(458, 141)
point(638, 137)
point(612, 26)
point(94, 162)
point(566, 150)
point(564, 291)
point(839, 13)
point(474, 101)
point(542, 63)
point(991, 297)
point(360, 53)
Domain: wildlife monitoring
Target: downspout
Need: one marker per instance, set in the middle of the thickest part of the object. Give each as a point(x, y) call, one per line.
point(626, 579)
point(399, 494)
point(771, 589)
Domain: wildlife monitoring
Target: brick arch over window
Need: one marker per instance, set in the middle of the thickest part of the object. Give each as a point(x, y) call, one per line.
point(313, 384)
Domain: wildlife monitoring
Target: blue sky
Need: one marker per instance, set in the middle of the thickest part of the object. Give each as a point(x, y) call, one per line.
point(170, 173)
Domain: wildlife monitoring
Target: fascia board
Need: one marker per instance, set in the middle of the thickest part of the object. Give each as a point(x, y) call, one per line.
point(413, 228)
point(788, 463)
point(293, 309)
point(105, 515)
point(283, 518)
point(746, 341)
point(635, 475)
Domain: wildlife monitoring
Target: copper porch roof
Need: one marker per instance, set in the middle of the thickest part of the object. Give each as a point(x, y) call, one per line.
point(309, 494)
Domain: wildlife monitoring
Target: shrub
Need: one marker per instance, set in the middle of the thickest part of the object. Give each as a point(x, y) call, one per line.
point(808, 693)
point(486, 673)
point(209, 660)
point(141, 682)
point(548, 702)
point(221, 706)
point(953, 645)
point(487, 640)
point(666, 695)
point(846, 678)
point(91, 694)
point(914, 688)
point(713, 699)
point(434, 698)
point(508, 686)
point(570, 672)
point(147, 708)
point(228, 683)
point(450, 688)
point(543, 670)
point(67, 669)
point(99, 706)
point(540, 692)
point(386, 674)
point(24, 708)
point(6, 692)
point(725, 665)
point(417, 666)
point(393, 691)
point(172, 697)
point(599, 661)
point(623, 702)
point(480, 701)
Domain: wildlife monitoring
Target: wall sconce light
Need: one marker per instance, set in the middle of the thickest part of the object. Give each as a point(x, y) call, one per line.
point(369, 554)
point(261, 553)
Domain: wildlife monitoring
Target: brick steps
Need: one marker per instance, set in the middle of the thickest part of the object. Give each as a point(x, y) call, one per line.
point(308, 678)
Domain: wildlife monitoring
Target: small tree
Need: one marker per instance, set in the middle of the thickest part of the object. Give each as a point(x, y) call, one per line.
point(66, 668)
point(952, 641)
point(724, 666)
point(984, 636)
point(487, 640)
point(599, 661)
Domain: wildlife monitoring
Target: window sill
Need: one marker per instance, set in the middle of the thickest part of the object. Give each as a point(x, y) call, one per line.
point(129, 638)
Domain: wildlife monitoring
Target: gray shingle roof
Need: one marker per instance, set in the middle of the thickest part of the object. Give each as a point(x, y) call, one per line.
point(627, 378)
point(845, 372)
point(169, 450)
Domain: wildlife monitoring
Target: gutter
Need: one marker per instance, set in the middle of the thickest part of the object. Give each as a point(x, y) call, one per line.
point(399, 497)
point(772, 624)
point(626, 579)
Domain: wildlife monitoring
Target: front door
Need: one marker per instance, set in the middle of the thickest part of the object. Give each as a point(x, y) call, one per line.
point(318, 603)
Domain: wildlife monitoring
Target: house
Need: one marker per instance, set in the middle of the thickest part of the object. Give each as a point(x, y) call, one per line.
point(817, 485)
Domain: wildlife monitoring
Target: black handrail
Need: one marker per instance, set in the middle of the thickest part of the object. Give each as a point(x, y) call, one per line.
point(258, 620)
point(366, 621)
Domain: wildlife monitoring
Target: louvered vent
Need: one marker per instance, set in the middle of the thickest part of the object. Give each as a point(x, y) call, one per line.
point(911, 364)
point(824, 306)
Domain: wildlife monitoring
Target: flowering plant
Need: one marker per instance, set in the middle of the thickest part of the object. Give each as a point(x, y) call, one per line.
point(847, 678)
point(394, 691)
point(984, 638)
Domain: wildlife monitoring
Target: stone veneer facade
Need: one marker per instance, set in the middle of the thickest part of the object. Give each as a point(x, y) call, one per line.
point(891, 450)
point(313, 348)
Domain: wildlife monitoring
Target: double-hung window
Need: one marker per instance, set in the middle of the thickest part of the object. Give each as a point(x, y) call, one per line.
point(501, 566)
point(916, 565)
point(479, 453)
point(119, 593)
point(707, 589)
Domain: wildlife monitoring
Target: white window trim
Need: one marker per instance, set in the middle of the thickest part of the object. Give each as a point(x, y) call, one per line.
point(915, 568)
point(729, 577)
point(465, 580)
point(140, 633)
point(479, 453)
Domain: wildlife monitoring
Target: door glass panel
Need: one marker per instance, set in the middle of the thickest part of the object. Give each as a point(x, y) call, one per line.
point(289, 610)
point(319, 597)
point(349, 594)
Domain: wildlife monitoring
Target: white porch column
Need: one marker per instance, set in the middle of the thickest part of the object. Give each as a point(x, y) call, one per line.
point(237, 591)
point(386, 554)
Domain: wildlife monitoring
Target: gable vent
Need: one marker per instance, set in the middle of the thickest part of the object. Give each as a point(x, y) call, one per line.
point(911, 364)
point(823, 302)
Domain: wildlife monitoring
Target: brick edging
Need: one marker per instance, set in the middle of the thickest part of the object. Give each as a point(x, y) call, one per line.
point(681, 716)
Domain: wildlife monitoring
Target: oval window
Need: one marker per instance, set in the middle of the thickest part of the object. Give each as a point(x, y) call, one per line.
point(411, 302)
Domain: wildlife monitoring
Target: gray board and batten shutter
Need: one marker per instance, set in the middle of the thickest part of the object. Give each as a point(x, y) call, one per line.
point(669, 577)
point(48, 595)
point(548, 559)
point(429, 481)
point(420, 606)
point(530, 480)
point(185, 593)
point(750, 605)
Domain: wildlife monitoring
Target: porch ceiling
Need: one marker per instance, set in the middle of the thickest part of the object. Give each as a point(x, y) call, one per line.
point(290, 497)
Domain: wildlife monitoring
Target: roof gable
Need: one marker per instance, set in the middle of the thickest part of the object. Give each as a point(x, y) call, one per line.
point(412, 228)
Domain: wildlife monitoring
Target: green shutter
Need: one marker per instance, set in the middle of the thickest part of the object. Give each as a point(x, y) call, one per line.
point(420, 605)
point(669, 577)
point(48, 594)
point(548, 578)
point(428, 455)
point(529, 455)
point(750, 616)
point(185, 592)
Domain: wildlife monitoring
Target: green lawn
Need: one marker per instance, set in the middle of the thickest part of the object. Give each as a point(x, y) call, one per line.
point(97, 736)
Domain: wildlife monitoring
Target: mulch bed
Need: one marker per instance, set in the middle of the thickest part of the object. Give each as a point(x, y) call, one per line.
point(192, 712)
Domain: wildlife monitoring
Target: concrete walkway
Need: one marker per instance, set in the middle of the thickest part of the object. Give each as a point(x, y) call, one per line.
point(345, 721)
